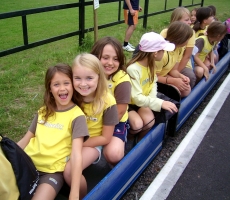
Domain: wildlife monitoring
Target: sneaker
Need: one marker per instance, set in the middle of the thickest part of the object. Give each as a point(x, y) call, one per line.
point(131, 46)
point(128, 48)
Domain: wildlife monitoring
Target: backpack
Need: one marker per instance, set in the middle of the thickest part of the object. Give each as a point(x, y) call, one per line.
point(26, 174)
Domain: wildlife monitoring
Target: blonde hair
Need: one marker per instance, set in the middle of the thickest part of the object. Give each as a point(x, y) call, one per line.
point(178, 13)
point(90, 61)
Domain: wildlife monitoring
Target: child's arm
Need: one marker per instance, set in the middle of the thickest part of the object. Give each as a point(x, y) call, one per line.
point(110, 119)
point(76, 167)
point(186, 56)
point(103, 139)
point(132, 12)
point(211, 55)
point(25, 140)
point(175, 78)
point(122, 94)
point(187, 53)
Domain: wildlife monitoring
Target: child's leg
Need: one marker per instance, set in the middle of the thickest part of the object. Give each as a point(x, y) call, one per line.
point(147, 117)
point(89, 155)
point(48, 186)
point(114, 151)
point(199, 71)
point(207, 63)
point(44, 191)
point(190, 74)
point(135, 121)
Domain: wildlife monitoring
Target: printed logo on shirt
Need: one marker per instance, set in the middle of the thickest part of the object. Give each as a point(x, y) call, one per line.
point(94, 119)
point(50, 125)
point(145, 81)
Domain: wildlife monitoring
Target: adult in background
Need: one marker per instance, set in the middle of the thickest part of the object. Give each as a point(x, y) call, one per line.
point(131, 9)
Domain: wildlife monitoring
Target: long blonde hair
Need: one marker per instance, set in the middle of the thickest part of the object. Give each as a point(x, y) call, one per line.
point(90, 61)
point(178, 13)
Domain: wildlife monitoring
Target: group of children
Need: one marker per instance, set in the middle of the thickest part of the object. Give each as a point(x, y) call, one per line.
point(87, 106)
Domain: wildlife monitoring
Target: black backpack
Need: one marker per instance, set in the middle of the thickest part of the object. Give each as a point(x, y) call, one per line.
point(26, 174)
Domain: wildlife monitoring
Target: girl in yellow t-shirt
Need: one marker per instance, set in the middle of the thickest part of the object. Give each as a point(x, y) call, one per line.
point(109, 51)
point(98, 105)
point(56, 135)
point(204, 58)
point(142, 70)
point(204, 17)
point(167, 68)
point(182, 14)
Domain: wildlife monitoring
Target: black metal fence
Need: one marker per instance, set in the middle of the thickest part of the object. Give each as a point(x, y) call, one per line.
point(81, 5)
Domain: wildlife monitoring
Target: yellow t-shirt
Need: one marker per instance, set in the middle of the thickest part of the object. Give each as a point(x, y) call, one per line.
point(168, 61)
point(201, 32)
point(95, 122)
point(191, 43)
point(207, 48)
point(51, 147)
point(117, 79)
point(143, 92)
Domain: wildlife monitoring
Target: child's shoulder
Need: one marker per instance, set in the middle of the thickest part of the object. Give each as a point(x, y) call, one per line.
point(121, 76)
point(109, 99)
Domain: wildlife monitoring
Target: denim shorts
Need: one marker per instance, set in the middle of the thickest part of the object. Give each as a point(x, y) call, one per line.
point(99, 149)
point(120, 131)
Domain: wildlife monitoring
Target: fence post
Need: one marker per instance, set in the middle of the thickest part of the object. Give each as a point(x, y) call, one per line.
point(145, 13)
point(81, 21)
point(202, 3)
point(24, 29)
point(180, 3)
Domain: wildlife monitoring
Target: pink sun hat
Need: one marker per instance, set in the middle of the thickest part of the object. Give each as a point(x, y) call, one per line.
point(153, 42)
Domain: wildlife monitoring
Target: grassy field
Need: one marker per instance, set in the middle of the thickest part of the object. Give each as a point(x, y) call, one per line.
point(22, 74)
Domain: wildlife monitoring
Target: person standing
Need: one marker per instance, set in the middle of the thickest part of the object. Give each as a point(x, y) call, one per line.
point(131, 9)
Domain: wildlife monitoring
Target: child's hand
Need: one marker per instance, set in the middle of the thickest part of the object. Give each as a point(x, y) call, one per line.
point(167, 105)
point(206, 73)
point(214, 68)
point(185, 79)
point(181, 84)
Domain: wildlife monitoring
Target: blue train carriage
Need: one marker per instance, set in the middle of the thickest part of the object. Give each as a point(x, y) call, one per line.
point(115, 182)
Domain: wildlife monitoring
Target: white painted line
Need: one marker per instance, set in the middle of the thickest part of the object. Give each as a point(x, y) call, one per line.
point(170, 173)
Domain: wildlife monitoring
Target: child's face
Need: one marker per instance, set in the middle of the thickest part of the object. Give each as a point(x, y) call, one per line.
point(209, 20)
point(193, 16)
point(62, 89)
point(158, 55)
point(109, 60)
point(185, 19)
point(85, 82)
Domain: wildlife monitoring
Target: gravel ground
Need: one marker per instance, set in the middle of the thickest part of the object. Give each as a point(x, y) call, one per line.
point(142, 183)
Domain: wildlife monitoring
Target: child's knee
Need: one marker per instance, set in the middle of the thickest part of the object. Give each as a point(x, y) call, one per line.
point(199, 71)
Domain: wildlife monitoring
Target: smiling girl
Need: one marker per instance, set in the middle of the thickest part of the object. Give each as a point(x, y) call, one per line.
point(109, 51)
point(98, 105)
point(55, 137)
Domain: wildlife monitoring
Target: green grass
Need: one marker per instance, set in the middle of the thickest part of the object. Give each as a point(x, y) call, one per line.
point(22, 74)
